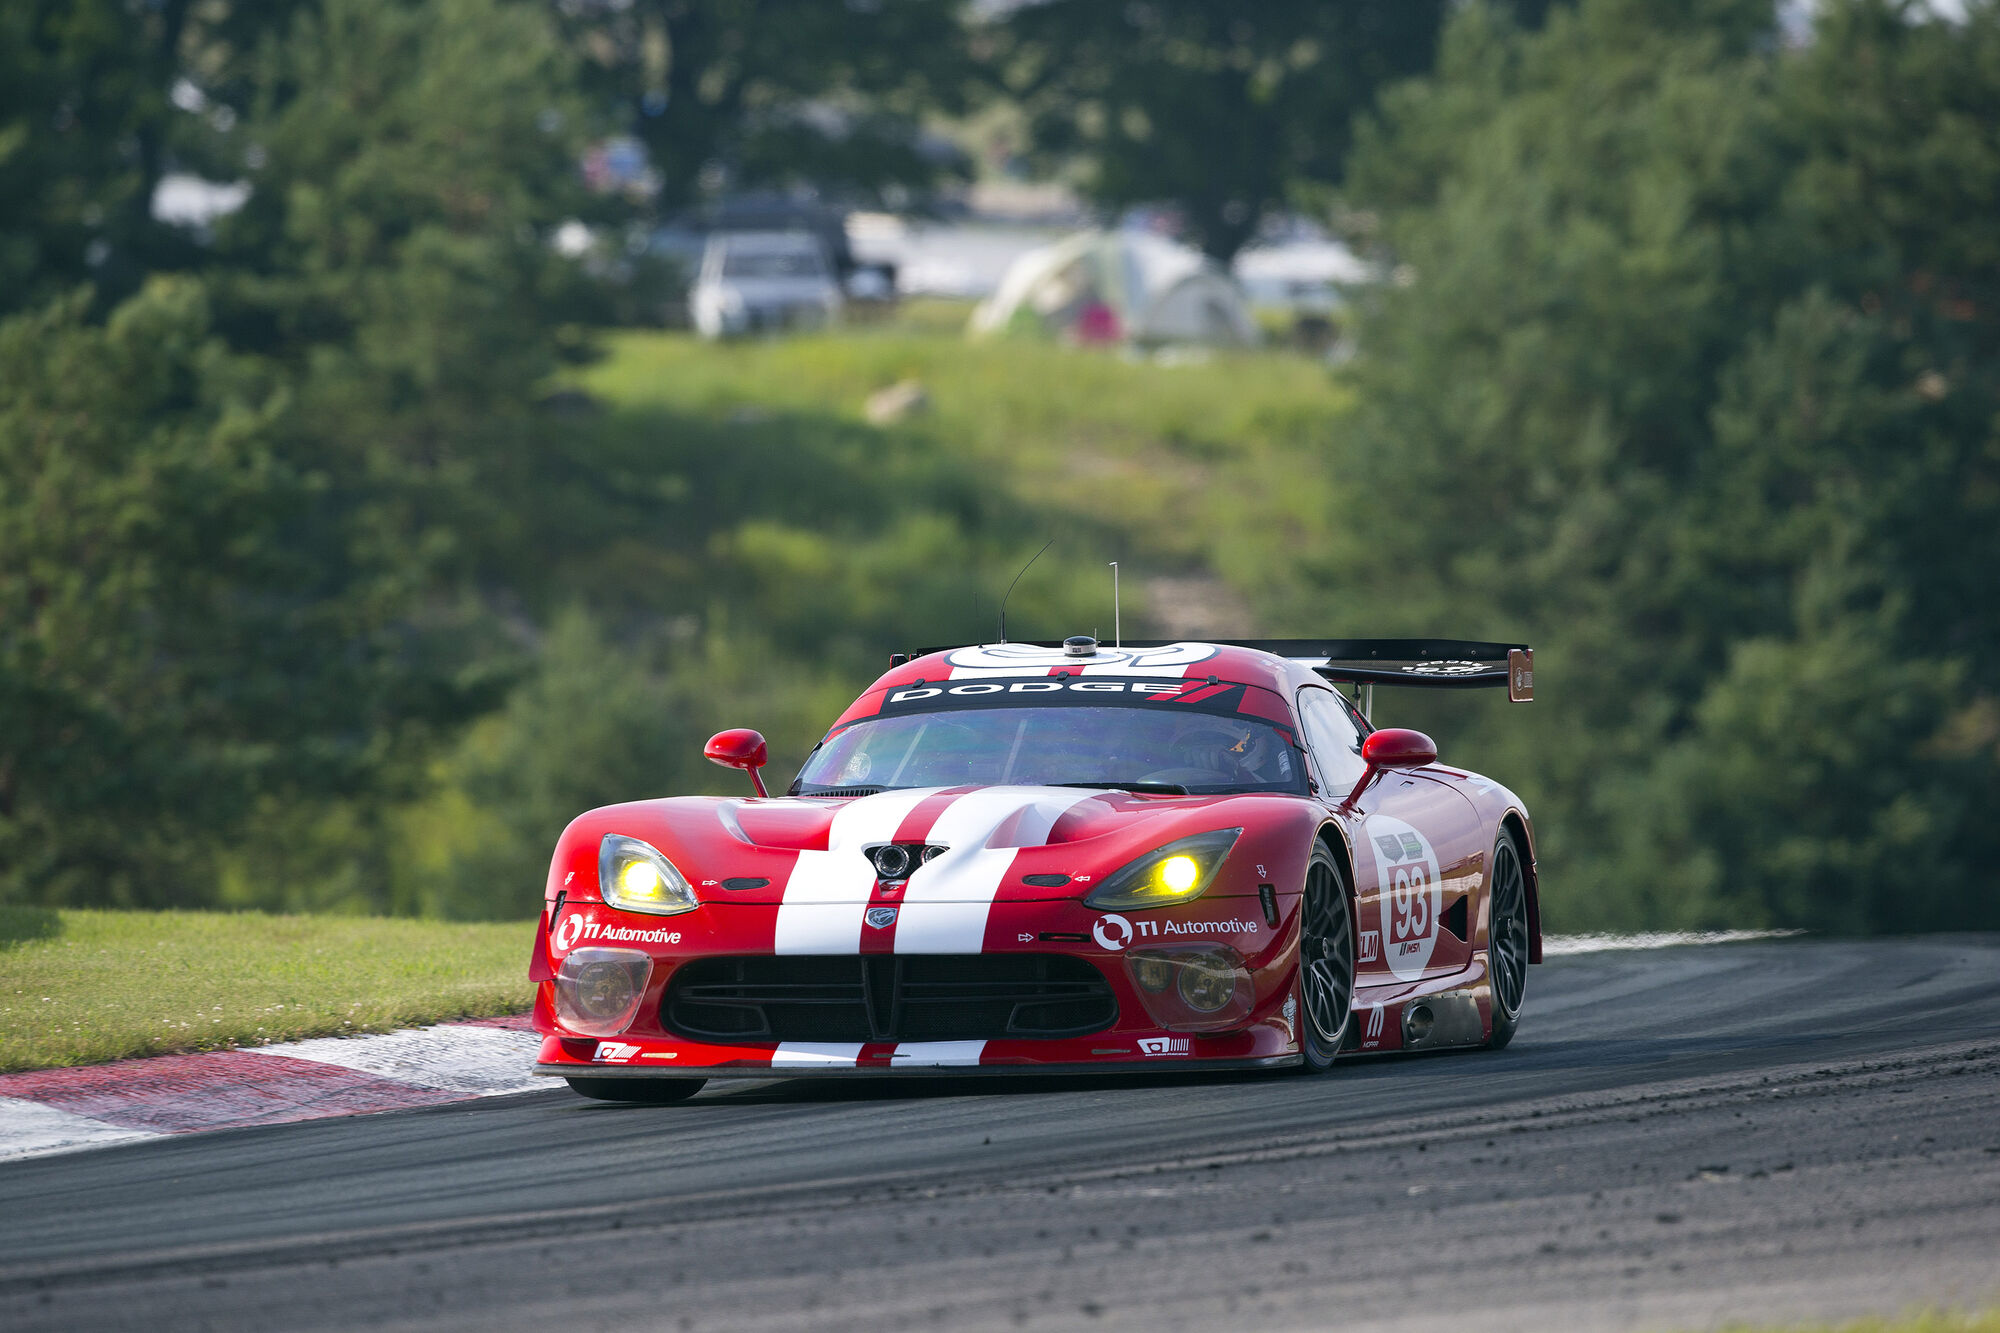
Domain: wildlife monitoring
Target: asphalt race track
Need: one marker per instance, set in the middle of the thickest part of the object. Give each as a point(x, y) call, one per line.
point(1764, 1131)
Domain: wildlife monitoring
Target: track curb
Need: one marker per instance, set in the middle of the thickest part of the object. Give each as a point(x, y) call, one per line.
point(49, 1111)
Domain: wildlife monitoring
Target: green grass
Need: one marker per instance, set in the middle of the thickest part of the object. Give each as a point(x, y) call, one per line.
point(1210, 462)
point(81, 987)
point(1925, 1321)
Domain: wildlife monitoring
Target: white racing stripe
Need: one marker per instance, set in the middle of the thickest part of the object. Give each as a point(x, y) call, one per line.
point(949, 898)
point(30, 1129)
point(481, 1061)
point(816, 1055)
point(828, 891)
point(923, 1054)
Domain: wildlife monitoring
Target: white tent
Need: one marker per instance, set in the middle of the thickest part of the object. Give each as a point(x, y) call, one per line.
point(1131, 285)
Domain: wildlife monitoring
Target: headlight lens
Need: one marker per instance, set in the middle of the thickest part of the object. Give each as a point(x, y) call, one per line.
point(1175, 873)
point(634, 877)
point(1207, 982)
point(598, 990)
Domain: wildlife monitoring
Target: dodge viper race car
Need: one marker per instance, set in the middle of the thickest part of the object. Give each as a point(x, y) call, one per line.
point(1068, 857)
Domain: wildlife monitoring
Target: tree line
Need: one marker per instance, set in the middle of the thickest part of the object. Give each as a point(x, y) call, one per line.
point(1687, 375)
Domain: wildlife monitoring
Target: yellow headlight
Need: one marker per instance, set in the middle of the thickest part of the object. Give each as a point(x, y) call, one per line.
point(640, 880)
point(1179, 873)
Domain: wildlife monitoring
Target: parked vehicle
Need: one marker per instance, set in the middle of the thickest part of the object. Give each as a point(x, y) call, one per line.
point(763, 282)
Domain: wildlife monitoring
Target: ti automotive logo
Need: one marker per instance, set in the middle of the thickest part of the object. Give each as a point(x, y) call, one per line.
point(1114, 932)
point(574, 930)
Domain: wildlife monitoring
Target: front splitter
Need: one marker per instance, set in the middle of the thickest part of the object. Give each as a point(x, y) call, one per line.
point(1159, 1066)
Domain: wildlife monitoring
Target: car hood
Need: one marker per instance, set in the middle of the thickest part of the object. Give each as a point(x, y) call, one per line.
point(992, 836)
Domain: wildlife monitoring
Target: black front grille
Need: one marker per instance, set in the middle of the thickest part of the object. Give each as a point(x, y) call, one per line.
point(888, 997)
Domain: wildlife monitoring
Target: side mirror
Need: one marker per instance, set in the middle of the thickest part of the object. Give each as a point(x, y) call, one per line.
point(1392, 747)
point(1398, 747)
point(741, 748)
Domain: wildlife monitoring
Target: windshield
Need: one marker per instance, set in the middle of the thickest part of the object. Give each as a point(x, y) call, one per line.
point(1109, 746)
point(772, 264)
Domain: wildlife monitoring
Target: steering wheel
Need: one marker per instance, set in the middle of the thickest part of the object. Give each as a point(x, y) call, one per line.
point(1185, 777)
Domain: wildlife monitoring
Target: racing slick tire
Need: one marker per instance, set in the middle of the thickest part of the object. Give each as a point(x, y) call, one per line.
point(1326, 961)
point(648, 1091)
point(1507, 939)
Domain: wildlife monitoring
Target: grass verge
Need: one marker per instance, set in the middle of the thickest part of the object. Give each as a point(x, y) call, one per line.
point(81, 987)
point(1922, 1321)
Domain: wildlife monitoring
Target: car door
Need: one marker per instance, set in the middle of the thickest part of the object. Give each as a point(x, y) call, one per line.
point(1417, 852)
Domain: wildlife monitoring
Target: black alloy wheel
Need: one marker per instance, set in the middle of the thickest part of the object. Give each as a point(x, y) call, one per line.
point(1326, 961)
point(1507, 939)
point(644, 1091)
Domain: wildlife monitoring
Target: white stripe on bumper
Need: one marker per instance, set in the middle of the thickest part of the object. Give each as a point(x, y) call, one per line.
point(917, 1054)
point(816, 1054)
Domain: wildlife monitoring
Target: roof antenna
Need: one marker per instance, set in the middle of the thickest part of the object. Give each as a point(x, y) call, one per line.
point(1010, 587)
point(1117, 636)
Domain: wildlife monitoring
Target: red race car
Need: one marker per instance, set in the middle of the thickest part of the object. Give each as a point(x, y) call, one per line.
point(1057, 858)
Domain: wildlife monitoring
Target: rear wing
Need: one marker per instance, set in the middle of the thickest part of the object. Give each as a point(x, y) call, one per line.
point(1432, 664)
point(1435, 664)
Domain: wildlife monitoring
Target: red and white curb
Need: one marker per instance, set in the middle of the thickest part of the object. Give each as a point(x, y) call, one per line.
point(65, 1110)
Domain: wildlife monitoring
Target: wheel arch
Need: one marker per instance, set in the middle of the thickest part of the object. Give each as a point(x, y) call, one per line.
point(1516, 823)
point(1335, 838)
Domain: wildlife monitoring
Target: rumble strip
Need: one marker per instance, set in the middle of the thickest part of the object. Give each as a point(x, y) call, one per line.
point(64, 1110)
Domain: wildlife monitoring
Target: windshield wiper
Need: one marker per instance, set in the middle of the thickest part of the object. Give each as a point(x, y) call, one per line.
point(1143, 788)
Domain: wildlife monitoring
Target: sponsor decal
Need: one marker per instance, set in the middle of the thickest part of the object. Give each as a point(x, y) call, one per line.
point(575, 930)
point(1025, 937)
point(613, 1052)
point(1444, 669)
point(1163, 1046)
point(1406, 876)
point(1112, 931)
point(881, 918)
point(1148, 927)
point(1371, 945)
point(1373, 1033)
point(1034, 657)
point(1175, 691)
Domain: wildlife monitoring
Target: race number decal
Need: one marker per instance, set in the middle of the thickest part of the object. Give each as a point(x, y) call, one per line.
point(1407, 872)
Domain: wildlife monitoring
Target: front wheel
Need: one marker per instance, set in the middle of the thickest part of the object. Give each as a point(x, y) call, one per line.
point(1507, 939)
point(647, 1091)
point(1326, 961)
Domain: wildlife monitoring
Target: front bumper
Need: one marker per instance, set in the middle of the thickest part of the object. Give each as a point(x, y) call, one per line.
point(647, 1057)
point(1147, 1029)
